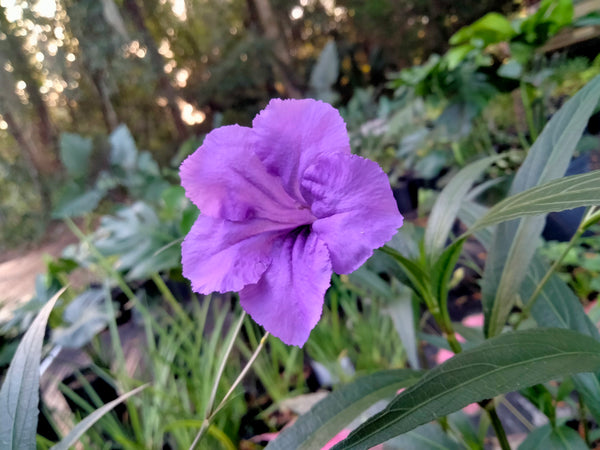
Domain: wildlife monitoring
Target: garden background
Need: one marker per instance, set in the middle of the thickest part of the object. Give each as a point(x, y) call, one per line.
point(100, 103)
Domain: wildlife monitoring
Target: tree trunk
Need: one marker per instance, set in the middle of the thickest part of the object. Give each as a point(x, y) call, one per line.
point(157, 62)
point(12, 51)
point(108, 111)
point(28, 151)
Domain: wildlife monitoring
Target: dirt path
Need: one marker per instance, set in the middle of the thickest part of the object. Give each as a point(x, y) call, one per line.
point(19, 268)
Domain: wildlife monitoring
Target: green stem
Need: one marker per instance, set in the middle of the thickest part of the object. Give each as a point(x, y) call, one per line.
point(102, 261)
point(497, 425)
point(540, 286)
point(242, 374)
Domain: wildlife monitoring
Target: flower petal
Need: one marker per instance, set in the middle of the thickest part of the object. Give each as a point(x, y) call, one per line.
point(226, 180)
point(354, 205)
point(291, 133)
point(220, 255)
point(288, 299)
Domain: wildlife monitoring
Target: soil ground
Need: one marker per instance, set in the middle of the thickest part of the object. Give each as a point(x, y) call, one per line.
point(20, 267)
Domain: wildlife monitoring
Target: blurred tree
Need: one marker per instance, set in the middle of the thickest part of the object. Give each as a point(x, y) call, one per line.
point(14, 115)
point(269, 27)
point(98, 46)
point(157, 63)
point(13, 56)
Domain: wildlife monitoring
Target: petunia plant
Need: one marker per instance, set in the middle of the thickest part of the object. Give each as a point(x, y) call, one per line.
point(284, 204)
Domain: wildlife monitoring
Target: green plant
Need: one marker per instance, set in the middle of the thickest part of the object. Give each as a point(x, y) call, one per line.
point(509, 358)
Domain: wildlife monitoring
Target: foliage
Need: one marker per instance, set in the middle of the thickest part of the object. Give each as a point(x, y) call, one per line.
point(469, 122)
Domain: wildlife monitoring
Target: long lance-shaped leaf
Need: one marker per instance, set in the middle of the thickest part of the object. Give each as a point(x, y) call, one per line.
point(557, 306)
point(515, 242)
point(328, 417)
point(557, 195)
point(448, 204)
point(79, 429)
point(19, 396)
point(502, 364)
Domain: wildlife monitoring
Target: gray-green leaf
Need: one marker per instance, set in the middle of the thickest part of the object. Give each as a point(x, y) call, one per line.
point(79, 429)
point(19, 395)
point(328, 417)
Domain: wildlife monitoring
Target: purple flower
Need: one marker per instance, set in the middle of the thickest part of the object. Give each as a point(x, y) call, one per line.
point(283, 204)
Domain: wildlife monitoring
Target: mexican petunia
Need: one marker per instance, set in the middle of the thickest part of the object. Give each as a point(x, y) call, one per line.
point(283, 205)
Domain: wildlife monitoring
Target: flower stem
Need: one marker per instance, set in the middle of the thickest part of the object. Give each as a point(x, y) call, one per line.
point(242, 374)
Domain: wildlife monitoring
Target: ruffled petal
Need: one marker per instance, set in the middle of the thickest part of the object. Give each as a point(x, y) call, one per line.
point(220, 255)
point(291, 133)
point(288, 299)
point(226, 180)
point(354, 205)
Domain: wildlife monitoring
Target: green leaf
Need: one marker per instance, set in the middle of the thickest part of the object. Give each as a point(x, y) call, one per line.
point(92, 418)
point(19, 395)
point(502, 364)
point(123, 151)
point(490, 29)
point(400, 309)
point(557, 195)
point(416, 277)
point(448, 204)
point(426, 437)
point(444, 268)
point(325, 73)
point(557, 306)
point(85, 316)
point(75, 152)
point(514, 242)
point(139, 239)
point(547, 438)
point(328, 417)
point(73, 202)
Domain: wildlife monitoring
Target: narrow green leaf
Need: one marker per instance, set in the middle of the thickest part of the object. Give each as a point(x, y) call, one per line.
point(557, 306)
point(328, 417)
point(443, 269)
point(400, 308)
point(416, 277)
point(92, 418)
point(19, 395)
point(502, 364)
point(557, 195)
point(515, 242)
point(448, 204)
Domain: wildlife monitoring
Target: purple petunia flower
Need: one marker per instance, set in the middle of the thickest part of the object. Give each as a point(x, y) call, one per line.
point(283, 204)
